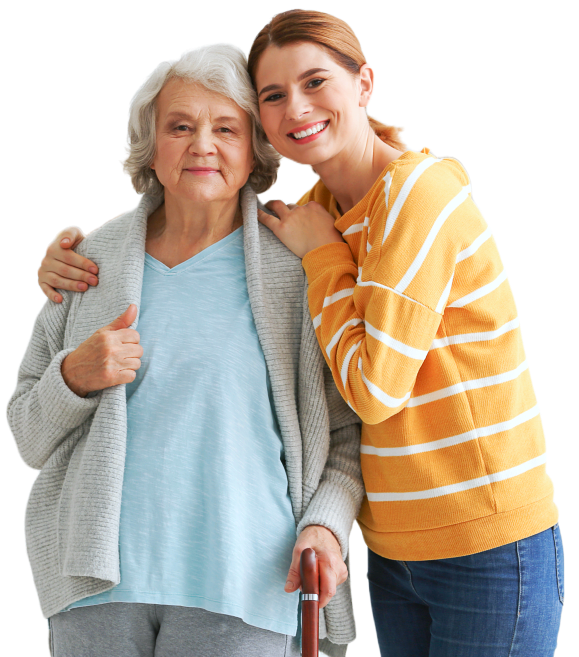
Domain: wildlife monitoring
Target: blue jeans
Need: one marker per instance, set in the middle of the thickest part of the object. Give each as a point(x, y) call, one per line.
point(504, 602)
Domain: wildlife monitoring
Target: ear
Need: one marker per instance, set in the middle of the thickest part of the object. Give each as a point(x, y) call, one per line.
point(366, 84)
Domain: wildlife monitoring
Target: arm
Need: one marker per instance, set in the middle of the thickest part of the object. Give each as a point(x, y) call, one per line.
point(43, 410)
point(328, 520)
point(62, 268)
point(376, 326)
point(336, 502)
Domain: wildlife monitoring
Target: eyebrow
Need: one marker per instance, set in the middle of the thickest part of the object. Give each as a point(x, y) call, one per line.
point(172, 116)
point(305, 74)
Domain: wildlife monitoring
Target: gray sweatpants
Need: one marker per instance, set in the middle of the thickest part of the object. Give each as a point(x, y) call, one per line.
point(120, 629)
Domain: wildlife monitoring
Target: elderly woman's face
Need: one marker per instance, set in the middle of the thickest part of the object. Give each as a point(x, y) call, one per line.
point(203, 145)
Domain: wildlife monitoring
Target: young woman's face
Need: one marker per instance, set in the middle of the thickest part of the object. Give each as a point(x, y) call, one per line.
point(311, 108)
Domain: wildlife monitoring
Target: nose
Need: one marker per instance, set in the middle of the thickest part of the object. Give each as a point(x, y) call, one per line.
point(297, 106)
point(202, 143)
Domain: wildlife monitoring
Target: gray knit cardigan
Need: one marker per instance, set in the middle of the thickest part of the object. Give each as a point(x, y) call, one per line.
point(78, 444)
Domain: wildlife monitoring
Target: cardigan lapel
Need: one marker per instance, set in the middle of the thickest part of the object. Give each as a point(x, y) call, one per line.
point(276, 354)
point(119, 251)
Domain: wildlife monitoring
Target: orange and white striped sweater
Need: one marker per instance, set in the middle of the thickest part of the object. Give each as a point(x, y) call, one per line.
point(418, 324)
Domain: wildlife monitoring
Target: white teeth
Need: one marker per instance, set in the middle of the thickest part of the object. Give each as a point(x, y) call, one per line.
point(310, 131)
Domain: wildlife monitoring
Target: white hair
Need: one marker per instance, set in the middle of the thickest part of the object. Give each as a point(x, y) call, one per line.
point(220, 68)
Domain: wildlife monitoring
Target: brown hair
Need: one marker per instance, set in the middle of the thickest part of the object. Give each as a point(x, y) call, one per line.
point(329, 32)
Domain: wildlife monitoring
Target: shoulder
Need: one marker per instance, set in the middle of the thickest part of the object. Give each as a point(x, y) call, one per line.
point(275, 255)
point(421, 191)
point(420, 175)
point(109, 231)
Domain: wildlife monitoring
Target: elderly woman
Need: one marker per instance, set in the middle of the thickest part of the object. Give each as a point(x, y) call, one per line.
point(177, 464)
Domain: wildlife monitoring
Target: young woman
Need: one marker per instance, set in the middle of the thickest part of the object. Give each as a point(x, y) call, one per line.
point(417, 322)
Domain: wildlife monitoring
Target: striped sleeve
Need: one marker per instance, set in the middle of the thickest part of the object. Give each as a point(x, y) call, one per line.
point(377, 301)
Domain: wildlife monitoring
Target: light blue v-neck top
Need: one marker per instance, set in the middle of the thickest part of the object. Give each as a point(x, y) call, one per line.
point(206, 517)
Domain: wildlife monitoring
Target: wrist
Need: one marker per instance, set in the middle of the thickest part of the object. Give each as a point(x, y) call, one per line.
point(320, 530)
point(66, 370)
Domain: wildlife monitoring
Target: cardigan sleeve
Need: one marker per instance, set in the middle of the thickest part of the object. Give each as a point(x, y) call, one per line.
point(43, 410)
point(376, 319)
point(338, 497)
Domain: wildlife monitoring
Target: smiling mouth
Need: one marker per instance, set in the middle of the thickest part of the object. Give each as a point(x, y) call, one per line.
point(318, 127)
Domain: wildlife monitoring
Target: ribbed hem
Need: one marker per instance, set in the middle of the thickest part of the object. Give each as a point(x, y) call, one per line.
point(465, 538)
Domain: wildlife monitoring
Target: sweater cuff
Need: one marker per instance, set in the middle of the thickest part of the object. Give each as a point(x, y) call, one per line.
point(331, 507)
point(327, 257)
point(59, 403)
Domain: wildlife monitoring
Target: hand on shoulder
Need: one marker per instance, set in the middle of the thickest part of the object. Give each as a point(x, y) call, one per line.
point(62, 268)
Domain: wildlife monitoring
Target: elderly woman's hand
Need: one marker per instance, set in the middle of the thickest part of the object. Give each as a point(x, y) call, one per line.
point(63, 268)
point(302, 228)
point(109, 357)
point(332, 569)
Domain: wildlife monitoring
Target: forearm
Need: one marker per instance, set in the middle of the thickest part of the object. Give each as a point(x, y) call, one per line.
point(373, 338)
point(336, 502)
point(43, 410)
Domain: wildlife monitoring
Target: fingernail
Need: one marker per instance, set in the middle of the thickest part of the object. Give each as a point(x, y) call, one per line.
point(93, 270)
point(289, 585)
point(81, 286)
point(92, 280)
point(65, 240)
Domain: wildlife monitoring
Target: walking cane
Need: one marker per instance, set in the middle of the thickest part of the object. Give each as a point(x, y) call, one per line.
point(310, 591)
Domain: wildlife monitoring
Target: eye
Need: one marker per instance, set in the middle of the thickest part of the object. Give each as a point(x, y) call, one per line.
point(181, 128)
point(273, 98)
point(224, 130)
point(316, 82)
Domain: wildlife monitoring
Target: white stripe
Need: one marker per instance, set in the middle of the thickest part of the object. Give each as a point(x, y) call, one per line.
point(342, 294)
point(461, 338)
point(355, 228)
point(474, 247)
point(381, 396)
point(368, 247)
point(452, 440)
point(346, 363)
point(467, 188)
point(387, 184)
point(403, 194)
point(444, 297)
point(389, 223)
point(425, 248)
point(385, 287)
point(463, 386)
point(481, 292)
point(458, 488)
point(398, 346)
point(334, 341)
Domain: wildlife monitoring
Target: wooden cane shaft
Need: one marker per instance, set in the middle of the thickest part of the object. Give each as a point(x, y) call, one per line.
point(310, 615)
point(310, 627)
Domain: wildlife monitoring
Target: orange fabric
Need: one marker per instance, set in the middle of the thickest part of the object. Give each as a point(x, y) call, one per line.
point(418, 324)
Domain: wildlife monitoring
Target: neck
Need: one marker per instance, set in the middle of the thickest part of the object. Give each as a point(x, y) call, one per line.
point(178, 230)
point(367, 156)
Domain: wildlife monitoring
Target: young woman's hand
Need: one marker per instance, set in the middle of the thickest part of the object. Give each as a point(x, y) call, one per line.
point(302, 228)
point(63, 268)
